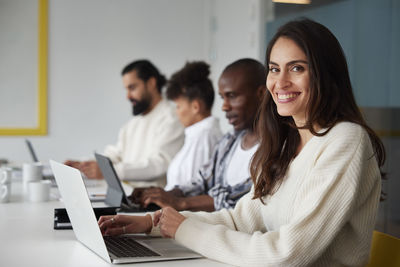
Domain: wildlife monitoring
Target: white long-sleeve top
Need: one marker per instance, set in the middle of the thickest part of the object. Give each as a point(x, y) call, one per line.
point(323, 213)
point(147, 144)
point(200, 139)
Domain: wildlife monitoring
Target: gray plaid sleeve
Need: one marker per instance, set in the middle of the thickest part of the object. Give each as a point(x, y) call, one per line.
point(227, 196)
point(210, 178)
point(199, 185)
point(194, 189)
point(203, 178)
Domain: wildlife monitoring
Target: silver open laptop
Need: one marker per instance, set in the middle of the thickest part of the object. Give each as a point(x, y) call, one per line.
point(120, 249)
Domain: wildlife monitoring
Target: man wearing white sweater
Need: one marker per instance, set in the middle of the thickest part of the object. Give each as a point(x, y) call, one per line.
point(148, 142)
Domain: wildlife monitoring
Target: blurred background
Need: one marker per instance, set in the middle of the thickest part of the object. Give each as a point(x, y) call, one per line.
point(90, 41)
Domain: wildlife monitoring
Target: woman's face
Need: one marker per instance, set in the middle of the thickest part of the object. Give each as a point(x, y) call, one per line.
point(288, 79)
point(186, 111)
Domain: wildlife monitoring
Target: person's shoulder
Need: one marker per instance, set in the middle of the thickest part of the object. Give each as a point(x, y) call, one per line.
point(345, 134)
point(229, 135)
point(130, 122)
point(166, 105)
point(228, 138)
point(208, 137)
point(165, 112)
point(347, 130)
point(209, 128)
point(215, 128)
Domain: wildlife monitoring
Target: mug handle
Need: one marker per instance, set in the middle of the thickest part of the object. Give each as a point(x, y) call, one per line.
point(4, 191)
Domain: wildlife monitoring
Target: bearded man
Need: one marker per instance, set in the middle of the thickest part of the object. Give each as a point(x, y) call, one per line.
point(147, 142)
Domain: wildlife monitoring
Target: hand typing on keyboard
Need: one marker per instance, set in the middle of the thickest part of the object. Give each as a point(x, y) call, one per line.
point(125, 224)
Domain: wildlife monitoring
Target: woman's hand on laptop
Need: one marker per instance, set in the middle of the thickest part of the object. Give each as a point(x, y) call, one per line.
point(125, 224)
point(168, 220)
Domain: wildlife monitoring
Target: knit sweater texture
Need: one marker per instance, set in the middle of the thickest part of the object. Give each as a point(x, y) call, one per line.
point(322, 214)
point(146, 145)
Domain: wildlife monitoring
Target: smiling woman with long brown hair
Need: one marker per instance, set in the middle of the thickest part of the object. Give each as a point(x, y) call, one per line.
point(316, 173)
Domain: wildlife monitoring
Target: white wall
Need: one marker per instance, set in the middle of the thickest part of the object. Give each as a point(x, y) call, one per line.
point(16, 50)
point(236, 30)
point(91, 40)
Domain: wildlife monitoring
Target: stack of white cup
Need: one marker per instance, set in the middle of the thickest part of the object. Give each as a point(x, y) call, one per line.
point(5, 184)
point(39, 191)
point(31, 172)
point(36, 189)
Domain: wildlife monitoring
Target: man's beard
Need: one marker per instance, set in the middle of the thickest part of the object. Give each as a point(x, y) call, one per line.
point(141, 106)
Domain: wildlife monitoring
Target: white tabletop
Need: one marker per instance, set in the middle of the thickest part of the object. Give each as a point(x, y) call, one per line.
point(27, 237)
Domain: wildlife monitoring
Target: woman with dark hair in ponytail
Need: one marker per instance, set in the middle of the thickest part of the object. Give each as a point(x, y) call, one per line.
point(316, 173)
point(193, 93)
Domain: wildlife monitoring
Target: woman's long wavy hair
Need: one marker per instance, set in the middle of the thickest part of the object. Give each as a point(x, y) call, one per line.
point(331, 101)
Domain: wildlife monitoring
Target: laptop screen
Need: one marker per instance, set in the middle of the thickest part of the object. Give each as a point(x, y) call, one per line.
point(31, 151)
point(115, 192)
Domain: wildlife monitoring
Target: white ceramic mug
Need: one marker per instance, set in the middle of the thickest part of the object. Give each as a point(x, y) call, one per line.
point(31, 172)
point(39, 191)
point(5, 192)
point(5, 175)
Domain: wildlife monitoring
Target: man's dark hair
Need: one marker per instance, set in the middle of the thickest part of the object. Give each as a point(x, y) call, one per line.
point(145, 70)
point(193, 83)
point(254, 71)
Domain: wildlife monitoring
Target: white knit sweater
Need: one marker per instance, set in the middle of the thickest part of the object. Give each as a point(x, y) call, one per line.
point(147, 143)
point(323, 213)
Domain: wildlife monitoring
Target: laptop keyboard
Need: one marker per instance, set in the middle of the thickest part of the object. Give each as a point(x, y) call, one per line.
point(122, 247)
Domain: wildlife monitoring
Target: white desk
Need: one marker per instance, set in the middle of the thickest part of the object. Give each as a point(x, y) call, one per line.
point(27, 238)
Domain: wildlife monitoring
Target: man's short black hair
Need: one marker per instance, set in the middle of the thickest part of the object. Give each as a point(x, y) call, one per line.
point(255, 71)
point(145, 70)
point(193, 83)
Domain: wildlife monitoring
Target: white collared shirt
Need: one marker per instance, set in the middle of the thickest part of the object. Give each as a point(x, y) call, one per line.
point(200, 139)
